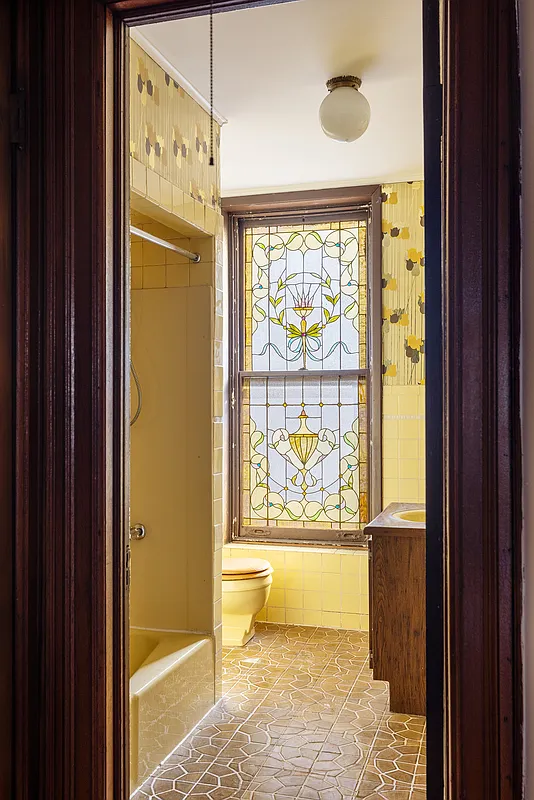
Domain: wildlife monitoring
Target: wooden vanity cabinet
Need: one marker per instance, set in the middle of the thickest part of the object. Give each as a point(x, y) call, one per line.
point(397, 617)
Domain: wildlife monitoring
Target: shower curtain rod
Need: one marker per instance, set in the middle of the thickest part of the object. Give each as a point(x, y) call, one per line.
point(162, 243)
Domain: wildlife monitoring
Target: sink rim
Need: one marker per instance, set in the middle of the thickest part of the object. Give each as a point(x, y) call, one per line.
point(400, 515)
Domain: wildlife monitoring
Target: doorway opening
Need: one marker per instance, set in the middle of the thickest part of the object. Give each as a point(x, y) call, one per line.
point(278, 385)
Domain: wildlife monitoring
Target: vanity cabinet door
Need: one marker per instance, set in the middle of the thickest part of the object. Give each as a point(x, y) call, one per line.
point(398, 603)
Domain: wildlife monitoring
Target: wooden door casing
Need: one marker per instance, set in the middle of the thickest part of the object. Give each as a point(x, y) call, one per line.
point(69, 600)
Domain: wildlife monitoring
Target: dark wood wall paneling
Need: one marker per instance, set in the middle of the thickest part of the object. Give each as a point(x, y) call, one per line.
point(71, 485)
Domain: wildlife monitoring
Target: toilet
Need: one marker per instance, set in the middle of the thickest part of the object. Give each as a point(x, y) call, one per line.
point(246, 583)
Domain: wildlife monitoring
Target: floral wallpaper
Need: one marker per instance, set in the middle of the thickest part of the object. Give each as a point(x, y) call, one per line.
point(170, 132)
point(403, 284)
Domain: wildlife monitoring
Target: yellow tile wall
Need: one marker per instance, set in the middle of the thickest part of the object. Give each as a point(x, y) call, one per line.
point(163, 201)
point(175, 195)
point(154, 267)
point(170, 134)
point(314, 586)
point(403, 444)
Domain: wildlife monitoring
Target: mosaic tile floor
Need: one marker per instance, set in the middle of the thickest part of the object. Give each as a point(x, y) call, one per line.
point(301, 717)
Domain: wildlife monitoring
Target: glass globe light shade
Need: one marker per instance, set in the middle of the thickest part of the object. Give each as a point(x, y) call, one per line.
point(344, 113)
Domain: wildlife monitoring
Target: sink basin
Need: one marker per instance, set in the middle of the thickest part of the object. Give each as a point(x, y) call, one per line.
point(418, 515)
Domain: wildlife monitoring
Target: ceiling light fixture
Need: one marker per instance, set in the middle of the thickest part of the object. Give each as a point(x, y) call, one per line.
point(345, 112)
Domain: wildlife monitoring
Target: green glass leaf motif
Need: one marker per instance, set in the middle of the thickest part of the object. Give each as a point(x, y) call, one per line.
point(314, 330)
point(293, 331)
point(256, 439)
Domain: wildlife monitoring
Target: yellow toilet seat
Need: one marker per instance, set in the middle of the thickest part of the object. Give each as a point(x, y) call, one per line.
point(239, 569)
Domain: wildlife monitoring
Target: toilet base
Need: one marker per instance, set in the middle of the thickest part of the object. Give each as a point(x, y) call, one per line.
point(237, 629)
point(242, 600)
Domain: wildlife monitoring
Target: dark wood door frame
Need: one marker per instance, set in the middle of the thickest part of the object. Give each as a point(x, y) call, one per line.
point(69, 602)
point(6, 407)
point(482, 255)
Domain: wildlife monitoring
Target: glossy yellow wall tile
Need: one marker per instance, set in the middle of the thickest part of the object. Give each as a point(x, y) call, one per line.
point(175, 195)
point(314, 586)
point(403, 444)
point(154, 267)
point(170, 136)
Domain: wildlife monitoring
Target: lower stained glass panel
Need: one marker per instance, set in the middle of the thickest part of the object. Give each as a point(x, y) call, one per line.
point(304, 452)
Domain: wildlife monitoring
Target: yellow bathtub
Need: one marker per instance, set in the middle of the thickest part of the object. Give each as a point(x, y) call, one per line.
point(171, 688)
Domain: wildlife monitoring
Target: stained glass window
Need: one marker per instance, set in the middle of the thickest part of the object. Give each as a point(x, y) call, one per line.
point(306, 297)
point(303, 382)
point(304, 452)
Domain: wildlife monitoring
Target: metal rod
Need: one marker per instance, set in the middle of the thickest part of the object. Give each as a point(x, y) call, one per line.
point(163, 243)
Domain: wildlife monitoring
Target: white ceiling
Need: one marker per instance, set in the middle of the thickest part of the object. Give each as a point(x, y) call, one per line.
point(271, 66)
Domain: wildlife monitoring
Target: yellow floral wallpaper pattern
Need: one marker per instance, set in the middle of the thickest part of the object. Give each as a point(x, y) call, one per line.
point(170, 132)
point(403, 284)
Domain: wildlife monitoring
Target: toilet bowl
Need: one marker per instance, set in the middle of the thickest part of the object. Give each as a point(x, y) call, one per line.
point(246, 583)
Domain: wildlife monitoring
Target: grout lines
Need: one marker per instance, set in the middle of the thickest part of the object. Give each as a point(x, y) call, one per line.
point(300, 719)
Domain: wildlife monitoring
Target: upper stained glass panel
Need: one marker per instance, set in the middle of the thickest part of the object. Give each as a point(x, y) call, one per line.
point(306, 297)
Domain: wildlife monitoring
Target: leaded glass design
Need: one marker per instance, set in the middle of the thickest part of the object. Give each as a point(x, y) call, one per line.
point(304, 452)
point(303, 381)
point(306, 296)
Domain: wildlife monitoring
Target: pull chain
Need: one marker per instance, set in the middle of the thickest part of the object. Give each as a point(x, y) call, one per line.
point(212, 160)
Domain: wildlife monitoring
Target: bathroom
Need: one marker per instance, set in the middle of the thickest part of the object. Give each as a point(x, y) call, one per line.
point(284, 701)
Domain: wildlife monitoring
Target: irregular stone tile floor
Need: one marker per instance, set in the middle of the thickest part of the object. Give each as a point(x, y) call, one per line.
point(301, 717)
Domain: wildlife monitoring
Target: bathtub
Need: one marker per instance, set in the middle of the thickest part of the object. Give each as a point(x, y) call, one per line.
point(172, 684)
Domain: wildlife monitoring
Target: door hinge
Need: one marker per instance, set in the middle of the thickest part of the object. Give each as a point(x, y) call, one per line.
point(128, 571)
point(234, 527)
point(17, 102)
point(232, 399)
